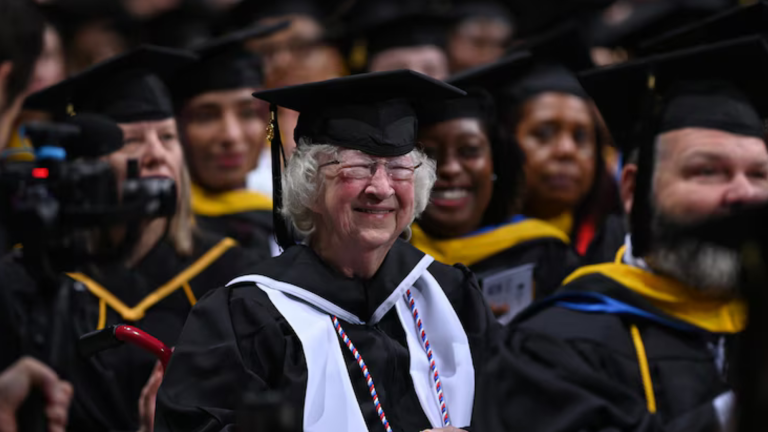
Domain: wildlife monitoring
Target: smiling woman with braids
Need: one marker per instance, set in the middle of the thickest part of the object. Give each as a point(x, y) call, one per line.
point(356, 328)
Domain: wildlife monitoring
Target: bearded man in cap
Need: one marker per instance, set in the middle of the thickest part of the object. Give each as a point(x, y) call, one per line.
point(641, 344)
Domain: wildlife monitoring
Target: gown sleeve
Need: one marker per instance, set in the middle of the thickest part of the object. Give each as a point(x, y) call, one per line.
point(233, 342)
point(538, 382)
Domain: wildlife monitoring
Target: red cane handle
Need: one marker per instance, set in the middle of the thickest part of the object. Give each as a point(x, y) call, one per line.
point(143, 340)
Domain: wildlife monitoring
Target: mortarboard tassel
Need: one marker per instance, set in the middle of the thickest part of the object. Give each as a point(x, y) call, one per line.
point(282, 234)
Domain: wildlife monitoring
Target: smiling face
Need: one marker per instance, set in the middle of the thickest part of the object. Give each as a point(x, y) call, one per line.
point(363, 213)
point(156, 147)
point(557, 134)
point(224, 133)
point(464, 176)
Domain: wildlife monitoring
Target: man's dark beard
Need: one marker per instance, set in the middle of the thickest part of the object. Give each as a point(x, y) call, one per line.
point(710, 269)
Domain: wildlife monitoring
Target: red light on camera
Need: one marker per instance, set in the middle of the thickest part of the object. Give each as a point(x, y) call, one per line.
point(40, 173)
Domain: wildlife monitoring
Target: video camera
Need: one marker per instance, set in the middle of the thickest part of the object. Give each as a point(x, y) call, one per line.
point(61, 193)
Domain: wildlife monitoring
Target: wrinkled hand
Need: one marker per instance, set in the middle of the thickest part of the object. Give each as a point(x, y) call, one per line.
point(148, 399)
point(17, 381)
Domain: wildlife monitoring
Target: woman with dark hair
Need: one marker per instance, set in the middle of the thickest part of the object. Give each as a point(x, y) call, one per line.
point(546, 115)
point(473, 216)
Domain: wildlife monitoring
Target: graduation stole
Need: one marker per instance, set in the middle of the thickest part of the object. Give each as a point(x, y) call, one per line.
point(133, 314)
point(237, 201)
point(475, 248)
point(672, 297)
point(563, 222)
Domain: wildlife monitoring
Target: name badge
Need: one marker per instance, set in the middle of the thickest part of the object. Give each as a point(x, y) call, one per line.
point(509, 290)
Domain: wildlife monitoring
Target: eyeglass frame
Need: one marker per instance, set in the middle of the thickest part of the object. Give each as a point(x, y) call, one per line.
point(373, 167)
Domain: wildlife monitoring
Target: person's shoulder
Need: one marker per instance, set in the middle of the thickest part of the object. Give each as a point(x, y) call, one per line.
point(13, 274)
point(551, 317)
point(450, 275)
point(226, 254)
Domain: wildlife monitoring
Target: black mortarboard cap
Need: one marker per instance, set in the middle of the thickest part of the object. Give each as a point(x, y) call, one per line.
point(249, 12)
point(223, 64)
point(127, 88)
point(720, 86)
point(566, 44)
point(535, 16)
point(476, 104)
point(647, 19)
point(463, 9)
point(733, 23)
point(518, 77)
point(372, 112)
point(407, 30)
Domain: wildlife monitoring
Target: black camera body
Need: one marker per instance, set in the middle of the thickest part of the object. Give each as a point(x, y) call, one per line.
point(51, 204)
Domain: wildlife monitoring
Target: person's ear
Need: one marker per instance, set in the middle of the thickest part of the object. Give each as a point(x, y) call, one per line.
point(627, 187)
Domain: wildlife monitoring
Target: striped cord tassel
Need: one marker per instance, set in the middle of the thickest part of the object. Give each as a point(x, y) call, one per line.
point(430, 357)
point(366, 374)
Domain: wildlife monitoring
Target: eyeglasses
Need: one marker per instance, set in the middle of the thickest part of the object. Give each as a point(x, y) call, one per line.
point(366, 170)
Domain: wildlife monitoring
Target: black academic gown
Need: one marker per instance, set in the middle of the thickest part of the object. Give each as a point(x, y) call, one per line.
point(519, 261)
point(107, 386)
point(561, 369)
point(242, 215)
point(251, 229)
point(237, 341)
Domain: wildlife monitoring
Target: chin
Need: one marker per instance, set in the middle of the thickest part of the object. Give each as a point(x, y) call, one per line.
point(372, 239)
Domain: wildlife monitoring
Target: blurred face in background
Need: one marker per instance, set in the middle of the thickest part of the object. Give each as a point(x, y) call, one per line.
point(478, 41)
point(155, 145)
point(94, 42)
point(223, 133)
point(294, 56)
point(557, 135)
point(50, 67)
point(464, 176)
point(427, 59)
point(297, 55)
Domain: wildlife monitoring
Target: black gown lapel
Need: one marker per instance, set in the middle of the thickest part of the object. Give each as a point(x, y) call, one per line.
point(300, 266)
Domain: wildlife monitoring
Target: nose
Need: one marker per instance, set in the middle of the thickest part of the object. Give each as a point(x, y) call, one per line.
point(565, 146)
point(380, 187)
point(153, 152)
point(448, 166)
point(232, 129)
point(741, 191)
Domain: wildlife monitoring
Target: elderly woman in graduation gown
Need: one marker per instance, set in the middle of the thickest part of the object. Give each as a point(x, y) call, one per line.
point(356, 328)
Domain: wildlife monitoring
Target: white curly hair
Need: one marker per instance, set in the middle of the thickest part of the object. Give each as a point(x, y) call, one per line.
point(302, 184)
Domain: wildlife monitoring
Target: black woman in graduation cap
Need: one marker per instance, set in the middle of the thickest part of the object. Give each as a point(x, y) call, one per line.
point(355, 328)
point(224, 129)
point(165, 269)
point(547, 115)
point(643, 343)
point(479, 181)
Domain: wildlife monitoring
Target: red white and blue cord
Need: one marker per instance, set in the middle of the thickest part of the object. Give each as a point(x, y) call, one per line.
point(366, 374)
point(369, 379)
point(430, 357)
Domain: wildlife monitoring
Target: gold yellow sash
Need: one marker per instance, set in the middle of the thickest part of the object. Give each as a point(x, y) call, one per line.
point(179, 281)
point(238, 201)
point(473, 249)
point(672, 297)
